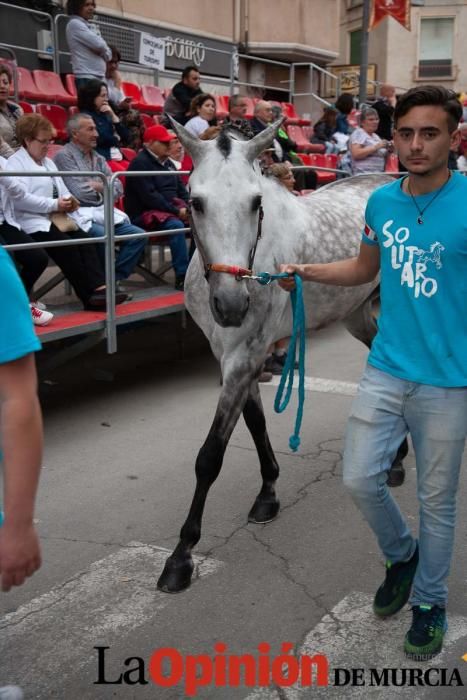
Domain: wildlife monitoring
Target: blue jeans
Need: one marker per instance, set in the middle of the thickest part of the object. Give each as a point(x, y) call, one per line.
point(130, 250)
point(177, 244)
point(385, 410)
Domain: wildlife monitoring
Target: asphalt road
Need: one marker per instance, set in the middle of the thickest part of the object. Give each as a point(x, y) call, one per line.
point(122, 434)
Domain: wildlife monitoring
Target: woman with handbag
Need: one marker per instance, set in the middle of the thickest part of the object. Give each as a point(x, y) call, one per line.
point(48, 212)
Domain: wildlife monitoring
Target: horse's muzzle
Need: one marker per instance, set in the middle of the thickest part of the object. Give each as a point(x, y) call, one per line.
point(229, 309)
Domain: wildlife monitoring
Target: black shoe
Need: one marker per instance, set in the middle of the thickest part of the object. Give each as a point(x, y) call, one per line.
point(97, 300)
point(396, 475)
point(180, 283)
point(275, 363)
point(394, 593)
point(424, 640)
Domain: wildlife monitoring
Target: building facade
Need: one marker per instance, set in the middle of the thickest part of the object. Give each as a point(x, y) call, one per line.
point(433, 51)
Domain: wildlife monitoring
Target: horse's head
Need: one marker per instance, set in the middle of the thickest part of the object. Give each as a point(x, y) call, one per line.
point(225, 196)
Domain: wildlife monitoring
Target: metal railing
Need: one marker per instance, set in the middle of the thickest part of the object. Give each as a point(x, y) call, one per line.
point(108, 239)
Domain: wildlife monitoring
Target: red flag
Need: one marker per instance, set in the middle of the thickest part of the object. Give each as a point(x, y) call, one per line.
point(399, 9)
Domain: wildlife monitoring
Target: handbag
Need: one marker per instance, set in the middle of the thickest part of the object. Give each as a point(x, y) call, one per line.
point(63, 222)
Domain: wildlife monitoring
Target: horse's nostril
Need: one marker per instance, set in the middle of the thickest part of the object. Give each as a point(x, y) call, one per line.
point(217, 306)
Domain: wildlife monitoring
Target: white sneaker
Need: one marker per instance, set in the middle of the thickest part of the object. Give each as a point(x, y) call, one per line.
point(40, 305)
point(11, 692)
point(40, 318)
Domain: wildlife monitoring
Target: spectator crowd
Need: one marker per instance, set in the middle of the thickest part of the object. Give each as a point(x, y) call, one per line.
point(108, 134)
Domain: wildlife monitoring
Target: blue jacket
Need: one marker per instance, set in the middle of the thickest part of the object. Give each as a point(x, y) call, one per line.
point(146, 193)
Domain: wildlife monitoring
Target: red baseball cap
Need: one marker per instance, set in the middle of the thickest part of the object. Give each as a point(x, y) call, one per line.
point(157, 133)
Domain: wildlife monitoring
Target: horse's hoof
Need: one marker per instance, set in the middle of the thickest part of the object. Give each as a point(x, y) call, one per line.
point(263, 511)
point(176, 575)
point(396, 475)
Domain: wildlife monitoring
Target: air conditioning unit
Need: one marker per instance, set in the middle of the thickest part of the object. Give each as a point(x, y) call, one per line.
point(45, 44)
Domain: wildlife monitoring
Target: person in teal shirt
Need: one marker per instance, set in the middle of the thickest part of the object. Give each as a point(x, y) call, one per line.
point(416, 377)
point(20, 435)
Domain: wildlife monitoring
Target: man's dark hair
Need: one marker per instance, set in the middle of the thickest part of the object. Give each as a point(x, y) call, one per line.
point(73, 7)
point(186, 71)
point(344, 103)
point(430, 95)
point(88, 93)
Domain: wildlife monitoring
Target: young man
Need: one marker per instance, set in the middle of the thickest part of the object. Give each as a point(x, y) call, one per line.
point(178, 102)
point(416, 378)
point(20, 437)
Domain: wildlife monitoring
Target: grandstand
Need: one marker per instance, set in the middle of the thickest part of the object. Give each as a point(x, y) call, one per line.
point(43, 83)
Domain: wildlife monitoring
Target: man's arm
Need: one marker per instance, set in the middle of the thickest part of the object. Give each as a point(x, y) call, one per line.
point(78, 185)
point(20, 417)
point(149, 196)
point(346, 273)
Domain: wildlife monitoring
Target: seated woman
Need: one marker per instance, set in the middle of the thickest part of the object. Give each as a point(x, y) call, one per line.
point(367, 151)
point(9, 114)
point(41, 199)
point(324, 130)
point(31, 262)
point(93, 99)
point(202, 122)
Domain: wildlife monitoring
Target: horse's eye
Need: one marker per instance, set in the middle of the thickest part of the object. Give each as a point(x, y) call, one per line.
point(197, 205)
point(256, 203)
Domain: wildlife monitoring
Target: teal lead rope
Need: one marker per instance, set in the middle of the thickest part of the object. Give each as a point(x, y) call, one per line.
point(298, 332)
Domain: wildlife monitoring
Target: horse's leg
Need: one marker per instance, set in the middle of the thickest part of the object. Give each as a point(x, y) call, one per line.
point(178, 568)
point(362, 325)
point(266, 505)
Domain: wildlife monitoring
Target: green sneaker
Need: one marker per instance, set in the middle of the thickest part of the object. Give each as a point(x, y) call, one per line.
point(425, 638)
point(394, 593)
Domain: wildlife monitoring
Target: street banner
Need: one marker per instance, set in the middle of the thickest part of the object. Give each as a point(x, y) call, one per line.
point(399, 9)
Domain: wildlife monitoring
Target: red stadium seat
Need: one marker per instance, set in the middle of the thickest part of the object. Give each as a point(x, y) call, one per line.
point(27, 88)
point(324, 177)
point(307, 131)
point(70, 84)
point(147, 120)
point(296, 134)
point(292, 117)
point(27, 107)
point(72, 111)
point(57, 115)
point(134, 91)
point(128, 153)
point(222, 106)
point(152, 99)
point(51, 85)
point(305, 158)
point(331, 160)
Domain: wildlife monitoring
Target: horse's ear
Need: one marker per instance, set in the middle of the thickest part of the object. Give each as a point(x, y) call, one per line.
point(262, 140)
point(193, 145)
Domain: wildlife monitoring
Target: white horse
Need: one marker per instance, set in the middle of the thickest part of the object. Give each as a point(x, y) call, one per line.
point(240, 317)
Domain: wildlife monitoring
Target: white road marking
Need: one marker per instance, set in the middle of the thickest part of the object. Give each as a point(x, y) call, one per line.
point(352, 637)
point(327, 386)
point(114, 596)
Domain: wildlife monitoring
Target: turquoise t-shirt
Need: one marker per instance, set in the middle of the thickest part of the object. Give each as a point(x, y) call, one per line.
point(17, 336)
point(422, 329)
